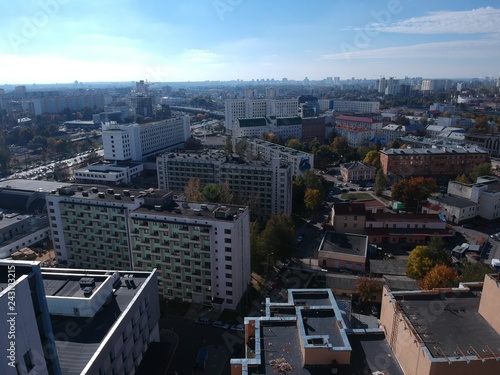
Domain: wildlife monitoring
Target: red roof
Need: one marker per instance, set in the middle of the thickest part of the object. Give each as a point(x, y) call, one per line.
point(355, 118)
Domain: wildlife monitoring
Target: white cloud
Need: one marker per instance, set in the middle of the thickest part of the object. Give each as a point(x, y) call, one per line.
point(481, 20)
point(478, 49)
point(199, 55)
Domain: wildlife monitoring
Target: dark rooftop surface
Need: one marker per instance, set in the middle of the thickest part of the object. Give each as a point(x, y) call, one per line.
point(454, 200)
point(351, 244)
point(388, 267)
point(371, 353)
point(446, 321)
point(349, 209)
point(77, 339)
point(403, 217)
point(400, 283)
point(65, 287)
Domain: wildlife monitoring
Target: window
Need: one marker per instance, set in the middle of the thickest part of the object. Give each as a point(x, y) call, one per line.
point(227, 231)
point(28, 361)
point(227, 240)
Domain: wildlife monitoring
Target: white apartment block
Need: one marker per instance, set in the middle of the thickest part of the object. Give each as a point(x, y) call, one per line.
point(72, 321)
point(202, 251)
point(485, 194)
point(356, 136)
point(351, 106)
point(284, 127)
point(299, 160)
point(96, 228)
point(138, 141)
point(236, 109)
point(106, 173)
point(265, 186)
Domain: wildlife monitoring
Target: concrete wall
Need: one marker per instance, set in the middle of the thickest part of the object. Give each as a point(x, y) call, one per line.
point(490, 299)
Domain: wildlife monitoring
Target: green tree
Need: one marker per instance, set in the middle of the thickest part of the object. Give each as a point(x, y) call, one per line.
point(380, 182)
point(278, 237)
point(323, 157)
point(471, 272)
point(228, 146)
point(38, 143)
point(479, 170)
point(423, 258)
point(368, 289)
point(87, 113)
point(211, 193)
point(295, 144)
point(413, 191)
point(419, 262)
point(340, 146)
point(257, 248)
point(372, 158)
point(440, 276)
point(312, 198)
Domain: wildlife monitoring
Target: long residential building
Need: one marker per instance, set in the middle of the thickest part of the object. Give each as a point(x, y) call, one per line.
point(438, 162)
point(201, 251)
point(299, 160)
point(265, 186)
point(236, 109)
point(351, 106)
point(283, 127)
point(73, 321)
point(134, 142)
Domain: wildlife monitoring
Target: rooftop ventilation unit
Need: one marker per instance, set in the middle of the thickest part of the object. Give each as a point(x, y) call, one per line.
point(87, 291)
point(86, 282)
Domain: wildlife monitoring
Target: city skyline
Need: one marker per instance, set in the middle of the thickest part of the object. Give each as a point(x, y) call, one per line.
point(58, 41)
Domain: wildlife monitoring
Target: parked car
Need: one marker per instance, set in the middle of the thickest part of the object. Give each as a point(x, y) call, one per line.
point(203, 320)
point(220, 324)
point(373, 310)
point(238, 327)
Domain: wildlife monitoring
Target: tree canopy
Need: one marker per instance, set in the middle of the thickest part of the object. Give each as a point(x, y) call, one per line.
point(278, 236)
point(413, 191)
point(440, 276)
point(368, 289)
point(423, 258)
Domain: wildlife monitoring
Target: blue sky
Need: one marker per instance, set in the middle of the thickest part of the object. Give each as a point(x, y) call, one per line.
point(58, 41)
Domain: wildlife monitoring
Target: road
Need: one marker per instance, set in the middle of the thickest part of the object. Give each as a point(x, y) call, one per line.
point(41, 170)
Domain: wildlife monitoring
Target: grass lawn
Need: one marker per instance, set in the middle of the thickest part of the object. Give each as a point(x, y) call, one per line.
point(357, 196)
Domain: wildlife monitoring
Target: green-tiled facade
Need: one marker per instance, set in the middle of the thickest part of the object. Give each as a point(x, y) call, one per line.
point(96, 236)
point(180, 252)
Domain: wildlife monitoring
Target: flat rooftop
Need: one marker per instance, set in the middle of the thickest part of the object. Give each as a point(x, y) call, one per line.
point(66, 286)
point(32, 185)
point(344, 243)
point(192, 210)
point(447, 321)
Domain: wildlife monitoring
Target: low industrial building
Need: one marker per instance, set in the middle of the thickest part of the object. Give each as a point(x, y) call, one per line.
point(343, 251)
point(445, 331)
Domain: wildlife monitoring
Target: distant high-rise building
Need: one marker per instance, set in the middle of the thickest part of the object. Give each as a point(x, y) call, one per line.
point(166, 91)
point(137, 141)
point(143, 105)
point(336, 81)
point(141, 87)
point(236, 109)
point(271, 93)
